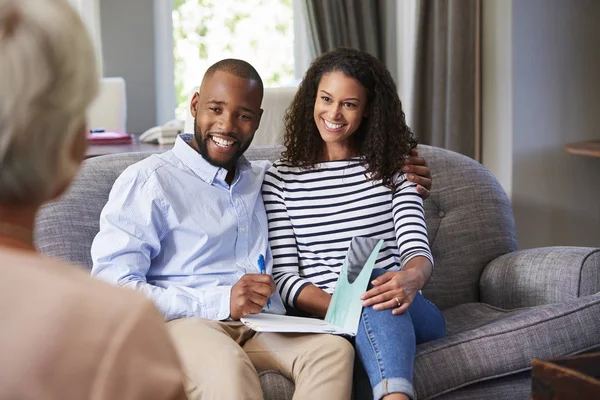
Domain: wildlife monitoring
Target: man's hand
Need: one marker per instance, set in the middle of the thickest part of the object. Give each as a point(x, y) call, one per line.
point(417, 171)
point(249, 295)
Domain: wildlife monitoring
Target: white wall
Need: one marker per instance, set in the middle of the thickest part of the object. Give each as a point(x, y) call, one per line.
point(556, 100)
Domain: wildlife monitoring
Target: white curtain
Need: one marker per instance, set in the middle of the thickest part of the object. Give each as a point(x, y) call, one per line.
point(406, 17)
point(90, 13)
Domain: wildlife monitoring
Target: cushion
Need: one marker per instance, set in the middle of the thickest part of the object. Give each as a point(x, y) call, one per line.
point(517, 386)
point(275, 386)
point(487, 342)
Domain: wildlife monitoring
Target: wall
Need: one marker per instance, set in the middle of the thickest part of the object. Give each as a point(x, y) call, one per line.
point(127, 28)
point(556, 88)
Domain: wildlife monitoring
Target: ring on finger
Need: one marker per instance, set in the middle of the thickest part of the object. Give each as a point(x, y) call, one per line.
point(398, 301)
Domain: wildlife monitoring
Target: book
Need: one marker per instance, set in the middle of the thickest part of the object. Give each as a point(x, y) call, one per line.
point(345, 309)
point(108, 137)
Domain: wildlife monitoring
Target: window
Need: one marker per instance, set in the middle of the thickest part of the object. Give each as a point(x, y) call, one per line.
point(89, 10)
point(205, 31)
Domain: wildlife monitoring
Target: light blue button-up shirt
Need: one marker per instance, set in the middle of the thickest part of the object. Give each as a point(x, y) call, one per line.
point(175, 230)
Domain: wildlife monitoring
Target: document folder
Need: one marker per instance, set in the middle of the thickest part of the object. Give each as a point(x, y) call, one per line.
point(343, 314)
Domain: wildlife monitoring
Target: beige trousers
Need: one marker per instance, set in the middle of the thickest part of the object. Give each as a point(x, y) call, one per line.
point(221, 360)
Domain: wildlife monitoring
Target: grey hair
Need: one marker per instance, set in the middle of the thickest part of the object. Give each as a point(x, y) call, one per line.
point(48, 78)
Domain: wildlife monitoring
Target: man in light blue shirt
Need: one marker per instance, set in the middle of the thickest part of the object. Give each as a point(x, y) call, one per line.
point(187, 228)
point(175, 229)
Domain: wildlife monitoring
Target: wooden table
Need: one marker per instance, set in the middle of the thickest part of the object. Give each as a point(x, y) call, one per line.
point(590, 148)
point(135, 146)
point(568, 378)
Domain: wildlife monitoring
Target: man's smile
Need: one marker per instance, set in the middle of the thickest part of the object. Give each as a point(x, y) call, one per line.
point(221, 141)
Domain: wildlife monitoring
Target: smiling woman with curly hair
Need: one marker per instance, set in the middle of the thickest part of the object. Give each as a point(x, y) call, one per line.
point(382, 139)
point(342, 176)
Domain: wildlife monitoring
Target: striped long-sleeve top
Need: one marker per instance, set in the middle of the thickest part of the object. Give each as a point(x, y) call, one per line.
point(314, 213)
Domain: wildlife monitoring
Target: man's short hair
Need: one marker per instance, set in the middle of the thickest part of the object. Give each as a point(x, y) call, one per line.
point(48, 78)
point(235, 67)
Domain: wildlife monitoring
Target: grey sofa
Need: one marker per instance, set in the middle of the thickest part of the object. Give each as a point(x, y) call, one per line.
point(503, 307)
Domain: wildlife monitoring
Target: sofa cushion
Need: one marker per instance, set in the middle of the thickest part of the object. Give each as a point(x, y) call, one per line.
point(469, 316)
point(510, 387)
point(505, 343)
point(275, 386)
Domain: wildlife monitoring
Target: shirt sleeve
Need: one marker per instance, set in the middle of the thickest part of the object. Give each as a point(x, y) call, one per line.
point(132, 225)
point(282, 240)
point(140, 362)
point(409, 222)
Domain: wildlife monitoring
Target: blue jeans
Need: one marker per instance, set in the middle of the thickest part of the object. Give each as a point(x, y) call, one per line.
point(386, 345)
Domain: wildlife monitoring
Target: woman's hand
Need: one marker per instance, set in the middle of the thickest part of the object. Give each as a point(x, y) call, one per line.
point(394, 289)
point(397, 289)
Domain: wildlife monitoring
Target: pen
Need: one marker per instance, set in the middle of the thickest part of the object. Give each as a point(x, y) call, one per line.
point(263, 270)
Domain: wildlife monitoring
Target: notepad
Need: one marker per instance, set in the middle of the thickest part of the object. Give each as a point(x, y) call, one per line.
point(343, 314)
point(108, 137)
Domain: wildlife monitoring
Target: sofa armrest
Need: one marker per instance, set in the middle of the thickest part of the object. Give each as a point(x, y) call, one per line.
point(540, 276)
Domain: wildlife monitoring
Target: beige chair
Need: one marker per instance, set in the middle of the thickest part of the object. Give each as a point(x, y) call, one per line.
point(270, 132)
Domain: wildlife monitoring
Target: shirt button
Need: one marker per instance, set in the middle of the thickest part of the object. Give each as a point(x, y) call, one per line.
point(243, 229)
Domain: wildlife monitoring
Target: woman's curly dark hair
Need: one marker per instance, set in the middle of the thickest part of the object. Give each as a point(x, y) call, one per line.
point(382, 140)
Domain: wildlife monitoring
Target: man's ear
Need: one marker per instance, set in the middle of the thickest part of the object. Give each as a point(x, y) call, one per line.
point(194, 104)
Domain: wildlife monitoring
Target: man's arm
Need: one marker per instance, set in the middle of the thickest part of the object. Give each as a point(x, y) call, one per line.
point(417, 171)
point(132, 225)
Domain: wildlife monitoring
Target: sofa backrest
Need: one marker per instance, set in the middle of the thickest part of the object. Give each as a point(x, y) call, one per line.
point(469, 222)
point(469, 219)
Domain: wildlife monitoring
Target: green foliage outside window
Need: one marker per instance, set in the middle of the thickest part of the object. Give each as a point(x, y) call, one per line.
point(205, 31)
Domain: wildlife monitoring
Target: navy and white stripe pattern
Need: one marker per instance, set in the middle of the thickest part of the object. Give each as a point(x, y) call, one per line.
point(314, 214)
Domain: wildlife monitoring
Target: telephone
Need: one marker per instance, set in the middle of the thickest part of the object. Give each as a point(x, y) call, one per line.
point(163, 134)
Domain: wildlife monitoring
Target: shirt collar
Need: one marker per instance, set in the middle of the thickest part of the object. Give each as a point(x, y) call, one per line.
point(205, 170)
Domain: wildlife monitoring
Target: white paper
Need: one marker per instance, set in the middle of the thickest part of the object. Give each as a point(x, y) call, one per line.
point(286, 324)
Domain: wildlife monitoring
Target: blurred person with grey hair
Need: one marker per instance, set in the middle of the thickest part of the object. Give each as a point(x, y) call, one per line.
point(64, 335)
